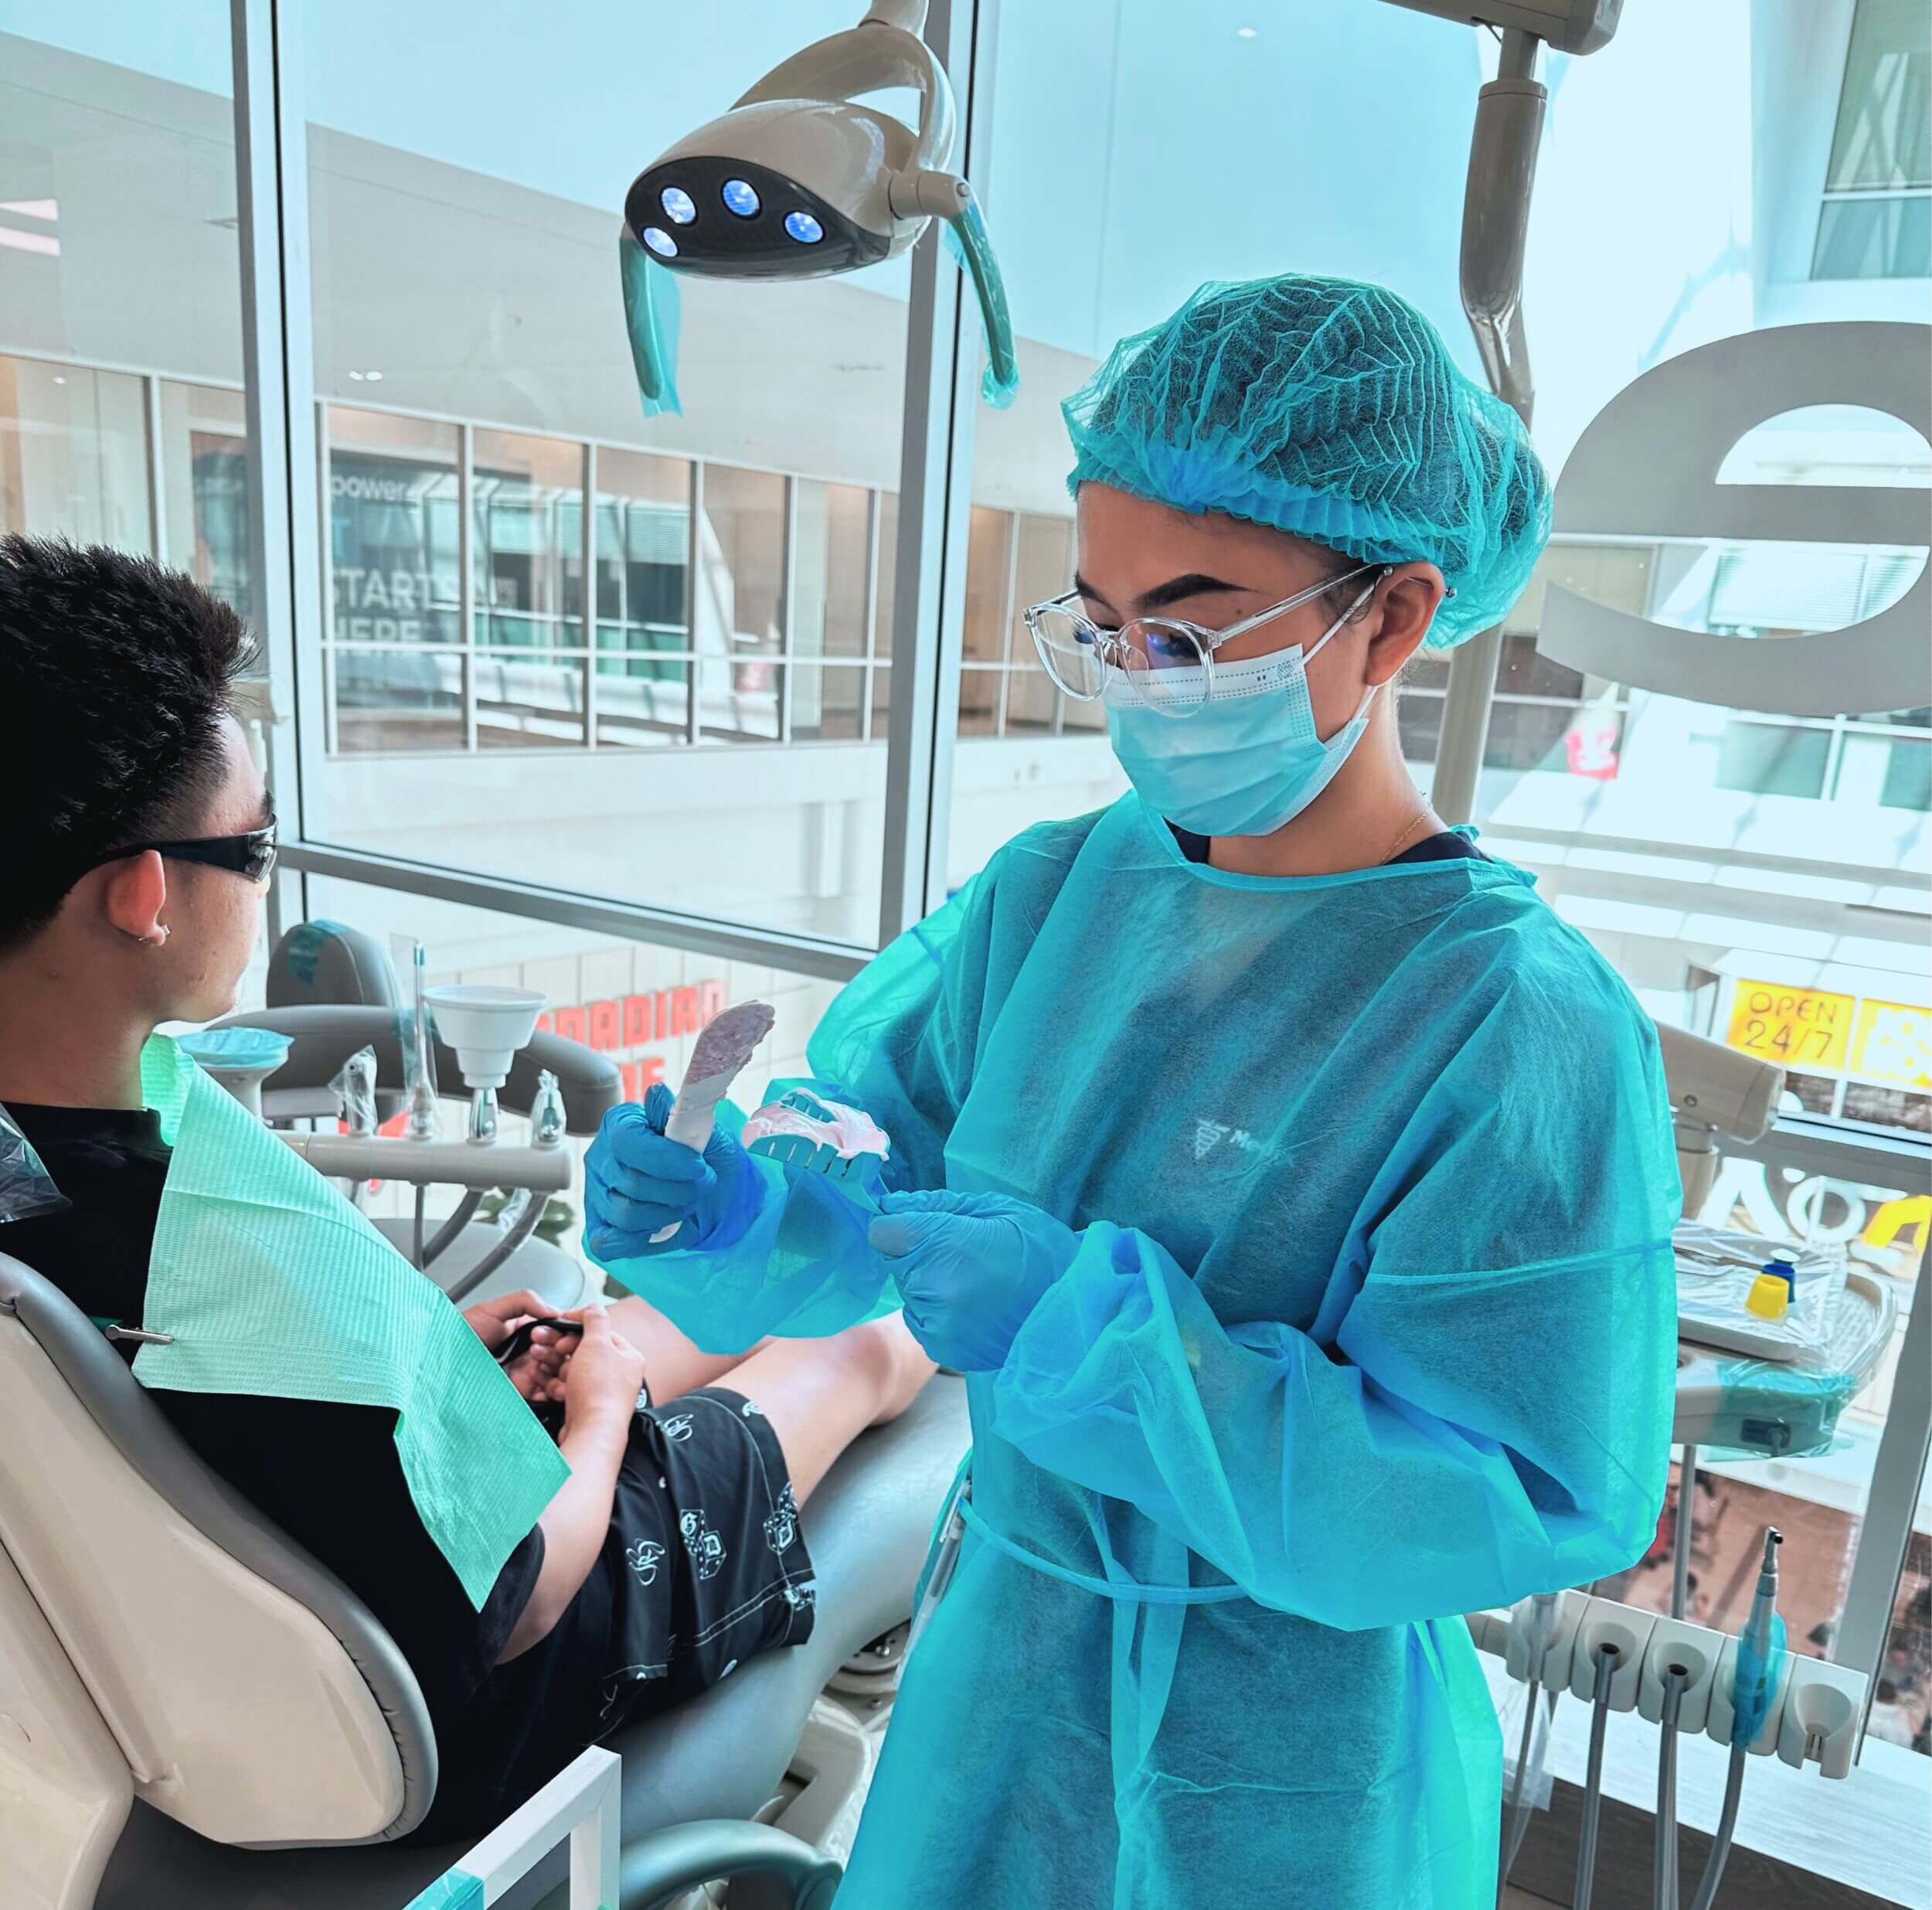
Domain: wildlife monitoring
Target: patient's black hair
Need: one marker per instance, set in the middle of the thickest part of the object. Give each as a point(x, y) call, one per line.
point(115, 674)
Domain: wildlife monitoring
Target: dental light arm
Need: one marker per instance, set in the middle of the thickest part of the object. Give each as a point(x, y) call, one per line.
point(1570, 26)
point(1495, 220)
point(1714, 1090)
point(799, 180)
point(1496, 225)
point(867, 58)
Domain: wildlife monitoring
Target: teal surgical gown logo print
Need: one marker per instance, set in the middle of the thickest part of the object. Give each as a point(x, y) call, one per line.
point(1209, 1135)
point(706, 1547)
point(644, 1558)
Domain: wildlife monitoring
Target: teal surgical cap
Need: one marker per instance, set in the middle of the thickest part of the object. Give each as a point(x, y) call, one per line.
point(1331, 409)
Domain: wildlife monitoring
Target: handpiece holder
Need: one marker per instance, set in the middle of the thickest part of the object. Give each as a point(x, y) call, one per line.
point(419, 1052)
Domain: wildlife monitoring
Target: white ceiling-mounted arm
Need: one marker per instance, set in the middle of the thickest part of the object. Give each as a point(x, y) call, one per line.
point(1571, 26)
point(1496, 219)
point(871, 58)
point(909, 15)
point(1714, 1090)
point(1495, 225)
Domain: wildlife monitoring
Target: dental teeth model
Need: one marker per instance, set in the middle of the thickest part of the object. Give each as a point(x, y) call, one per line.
point(800, 1129)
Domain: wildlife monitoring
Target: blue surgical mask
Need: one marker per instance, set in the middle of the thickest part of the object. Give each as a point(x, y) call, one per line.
point(1249, 760)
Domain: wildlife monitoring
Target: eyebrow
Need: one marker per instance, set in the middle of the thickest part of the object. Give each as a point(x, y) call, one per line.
point(1174, 590)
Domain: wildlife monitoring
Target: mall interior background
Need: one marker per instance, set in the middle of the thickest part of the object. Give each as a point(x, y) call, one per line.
point(680, 695)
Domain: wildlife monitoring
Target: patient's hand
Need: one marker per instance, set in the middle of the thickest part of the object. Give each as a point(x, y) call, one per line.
point(603, 1376)
point(537, 1375)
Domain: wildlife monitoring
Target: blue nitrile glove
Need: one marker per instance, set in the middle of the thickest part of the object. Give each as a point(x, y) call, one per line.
point(969, 1267)
point(636, 1183)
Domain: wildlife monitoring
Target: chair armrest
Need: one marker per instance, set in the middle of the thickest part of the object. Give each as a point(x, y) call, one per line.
point(659, 1867)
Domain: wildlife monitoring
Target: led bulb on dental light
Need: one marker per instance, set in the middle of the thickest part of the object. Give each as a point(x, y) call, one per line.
point(799, 180)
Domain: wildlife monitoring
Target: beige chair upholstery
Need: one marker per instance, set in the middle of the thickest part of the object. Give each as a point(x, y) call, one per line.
point(64, 1787)
point(251, 1696)
point(161, 1642)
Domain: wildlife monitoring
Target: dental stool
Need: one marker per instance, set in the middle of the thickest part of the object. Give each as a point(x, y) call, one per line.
point(178, 1680)
point(325, 1035)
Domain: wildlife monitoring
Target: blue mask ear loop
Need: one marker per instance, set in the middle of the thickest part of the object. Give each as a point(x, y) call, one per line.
point(1320, 643)
point(651, 307)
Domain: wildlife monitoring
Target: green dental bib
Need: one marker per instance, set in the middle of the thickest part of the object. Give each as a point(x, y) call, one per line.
point(271, 1284)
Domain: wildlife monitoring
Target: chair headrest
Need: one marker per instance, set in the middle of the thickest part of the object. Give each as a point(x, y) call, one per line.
point(321, 961)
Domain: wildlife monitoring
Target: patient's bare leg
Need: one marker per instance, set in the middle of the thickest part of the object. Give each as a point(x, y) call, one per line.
point(820, 1394)
point(671, 1364)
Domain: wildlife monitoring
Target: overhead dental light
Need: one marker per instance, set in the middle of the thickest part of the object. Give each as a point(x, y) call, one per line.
point(799, 181)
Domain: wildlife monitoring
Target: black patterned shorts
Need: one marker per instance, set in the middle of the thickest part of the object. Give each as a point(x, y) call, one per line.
point(706, 1554)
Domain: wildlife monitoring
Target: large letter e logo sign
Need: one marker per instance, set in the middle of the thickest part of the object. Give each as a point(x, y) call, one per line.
point(1648, 467)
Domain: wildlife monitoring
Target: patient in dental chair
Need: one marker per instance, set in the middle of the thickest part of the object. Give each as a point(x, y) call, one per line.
point(136, 837)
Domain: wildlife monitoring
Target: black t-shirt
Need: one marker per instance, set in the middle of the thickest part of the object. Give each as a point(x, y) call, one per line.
point(330, 1477)
point(1445, 845)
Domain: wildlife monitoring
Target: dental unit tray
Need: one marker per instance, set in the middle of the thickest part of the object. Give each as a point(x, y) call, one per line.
point(1715, 1268)
point(1730, 1405)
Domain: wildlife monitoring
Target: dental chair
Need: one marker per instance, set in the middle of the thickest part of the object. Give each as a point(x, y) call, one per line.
point(195, 1715)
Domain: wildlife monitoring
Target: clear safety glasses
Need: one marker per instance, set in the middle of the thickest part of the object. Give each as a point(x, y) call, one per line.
point(1160, 661)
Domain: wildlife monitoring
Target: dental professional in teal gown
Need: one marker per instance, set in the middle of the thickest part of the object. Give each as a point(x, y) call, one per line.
point(1293, 1188)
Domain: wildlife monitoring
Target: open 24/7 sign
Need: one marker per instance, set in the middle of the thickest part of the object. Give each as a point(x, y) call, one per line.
point(1816, 1030)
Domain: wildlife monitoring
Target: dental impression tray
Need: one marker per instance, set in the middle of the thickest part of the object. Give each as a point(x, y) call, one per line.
point(803, 1131)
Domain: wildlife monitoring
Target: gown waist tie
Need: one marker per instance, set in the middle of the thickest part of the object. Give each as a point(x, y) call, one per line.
point(1128, 1589)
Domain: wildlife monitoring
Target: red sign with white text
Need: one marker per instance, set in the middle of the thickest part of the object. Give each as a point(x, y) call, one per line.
point(634, 1021)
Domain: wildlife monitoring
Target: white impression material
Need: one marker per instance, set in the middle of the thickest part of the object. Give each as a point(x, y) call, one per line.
point(485, 1026)
point(716, 1061)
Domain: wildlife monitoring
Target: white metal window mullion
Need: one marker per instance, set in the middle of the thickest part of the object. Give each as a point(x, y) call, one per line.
point(788, 608)
point(875, 510)
point(590, 595)
point(465, 577)
point(157, 496)
point(278, 380)
point(1009, 599)
point(693, 592)
point(331, 663)
point(936, 452)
